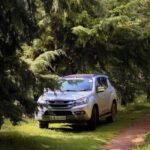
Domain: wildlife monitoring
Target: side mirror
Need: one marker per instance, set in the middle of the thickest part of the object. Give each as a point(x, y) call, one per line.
point(45, 90)
point(100, 89)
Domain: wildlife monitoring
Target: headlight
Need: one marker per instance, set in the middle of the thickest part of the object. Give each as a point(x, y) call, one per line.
point(81, 101)
point(41, 105)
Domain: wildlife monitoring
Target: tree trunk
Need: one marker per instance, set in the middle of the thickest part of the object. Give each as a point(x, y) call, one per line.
point(123, 101)
point(148, 95)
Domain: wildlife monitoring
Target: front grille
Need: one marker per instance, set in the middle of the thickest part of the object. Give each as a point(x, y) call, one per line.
point(58, 104)
point(61, 113)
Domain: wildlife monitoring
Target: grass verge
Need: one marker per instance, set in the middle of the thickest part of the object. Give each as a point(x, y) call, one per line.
point(146, 145)
point(27, 135)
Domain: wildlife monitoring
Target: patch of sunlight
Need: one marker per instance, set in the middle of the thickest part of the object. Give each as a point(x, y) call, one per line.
point(46, 146)
point(101, 140)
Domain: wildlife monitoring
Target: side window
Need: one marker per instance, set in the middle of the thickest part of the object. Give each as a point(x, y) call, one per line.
point(104, 82)
point(99, 83)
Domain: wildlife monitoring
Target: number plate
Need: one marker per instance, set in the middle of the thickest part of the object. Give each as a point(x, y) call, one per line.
point(57, 117)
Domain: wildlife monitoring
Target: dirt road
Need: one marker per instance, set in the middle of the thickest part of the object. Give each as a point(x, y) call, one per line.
point(130, 137)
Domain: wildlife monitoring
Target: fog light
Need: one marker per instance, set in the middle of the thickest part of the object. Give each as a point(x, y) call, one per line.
point(46, 113)
point(80, 112)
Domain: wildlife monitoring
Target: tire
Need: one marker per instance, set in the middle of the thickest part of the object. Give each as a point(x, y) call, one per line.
point(43, 124)
point(92, 123)
point(113, 116)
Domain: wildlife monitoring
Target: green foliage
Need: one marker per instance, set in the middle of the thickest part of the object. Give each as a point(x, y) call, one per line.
point(145, 146)
point(21, 59)
point(17, 26)
point(15, 90)
point(42, 63)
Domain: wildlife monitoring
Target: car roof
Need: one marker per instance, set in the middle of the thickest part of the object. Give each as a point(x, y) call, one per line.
point(85, 76)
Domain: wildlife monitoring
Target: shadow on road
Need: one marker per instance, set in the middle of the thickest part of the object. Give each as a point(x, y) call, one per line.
point(77, 128)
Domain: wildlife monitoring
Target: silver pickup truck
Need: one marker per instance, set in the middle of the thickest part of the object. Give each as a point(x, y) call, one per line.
point(81, 98)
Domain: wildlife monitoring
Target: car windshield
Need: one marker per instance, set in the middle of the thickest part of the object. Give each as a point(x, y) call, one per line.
point(76, 84)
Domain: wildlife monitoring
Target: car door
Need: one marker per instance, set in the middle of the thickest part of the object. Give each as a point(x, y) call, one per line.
point(107, 96)
point(100, 96)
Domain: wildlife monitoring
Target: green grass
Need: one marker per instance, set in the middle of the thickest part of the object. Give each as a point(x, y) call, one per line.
point(27, 135)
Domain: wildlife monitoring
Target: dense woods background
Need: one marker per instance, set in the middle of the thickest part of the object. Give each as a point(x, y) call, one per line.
point(43, 39)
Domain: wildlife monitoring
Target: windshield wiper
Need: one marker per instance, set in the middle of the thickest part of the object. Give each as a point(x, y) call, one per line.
point(76, 90)
point(69, 90)
point(84, 90)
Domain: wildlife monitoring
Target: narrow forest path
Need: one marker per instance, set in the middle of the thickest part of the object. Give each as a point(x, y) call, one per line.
point(130, 137)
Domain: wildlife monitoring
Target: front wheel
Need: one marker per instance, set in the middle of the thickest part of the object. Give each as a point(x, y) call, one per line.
point(92, 123)
point(43, 124)
point(113, 116)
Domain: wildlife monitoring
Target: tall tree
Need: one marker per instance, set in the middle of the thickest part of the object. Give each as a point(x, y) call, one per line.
point(17, 25)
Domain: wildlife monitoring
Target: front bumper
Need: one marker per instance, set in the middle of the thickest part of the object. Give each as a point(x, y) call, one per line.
point(80, 113)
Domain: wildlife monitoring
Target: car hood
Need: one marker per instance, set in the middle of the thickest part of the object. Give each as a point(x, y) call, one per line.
point(63, 96)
